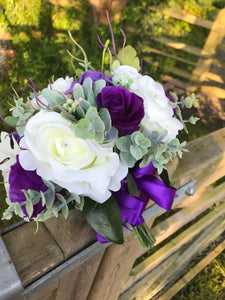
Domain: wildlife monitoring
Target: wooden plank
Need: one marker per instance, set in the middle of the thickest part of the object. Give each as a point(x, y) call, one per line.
point(182, 46)
point(33, 254)
point(168, 227)
point(115, 267)
point(172, 70)
point(213, 40)
point(193, 272)
point(147, 49)
point(144, 268)
point(191, 19)
point(205, 161)
point(48, 294)
point(148, 283)
point(77, 284)
point(185, 257)
point(213, 91)
point(73, 234)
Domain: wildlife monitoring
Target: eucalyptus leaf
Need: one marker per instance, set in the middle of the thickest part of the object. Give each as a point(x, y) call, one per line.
point(88, 92)
point(123, 143)
point(78, 92)
point(98, 86)
point(128, 159)
point(136, 152)
point(11, 120)
point(105, 218)
point(105, 116)
point(53, 97)
point(65, 211)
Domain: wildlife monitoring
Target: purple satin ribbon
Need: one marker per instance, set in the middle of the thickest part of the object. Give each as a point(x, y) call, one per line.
point(131, 208)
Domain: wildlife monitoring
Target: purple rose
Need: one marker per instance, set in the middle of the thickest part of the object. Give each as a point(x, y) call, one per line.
point(20, 179)
point(94, 75)
point(125, 108)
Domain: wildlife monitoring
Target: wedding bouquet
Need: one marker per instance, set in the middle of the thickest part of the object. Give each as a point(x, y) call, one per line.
point(95, 143)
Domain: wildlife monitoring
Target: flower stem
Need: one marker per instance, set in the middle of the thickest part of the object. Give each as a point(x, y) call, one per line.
point(145, 236)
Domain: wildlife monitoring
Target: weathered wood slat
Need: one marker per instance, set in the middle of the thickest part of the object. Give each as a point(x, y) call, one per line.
point(33, 254)
point(175, 269)
point(73, 234)
point(205, 161)
point(150, 280)
point(82, 279)
point(182, 46)
point(191, 19)
point(172, 70)
point(168, 227)
point(193, 272)
point(213, 40)
point(115, 267)
point(147, 49)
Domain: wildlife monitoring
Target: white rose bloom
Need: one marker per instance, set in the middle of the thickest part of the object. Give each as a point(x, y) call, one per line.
point(81, 166)
point(61, 85)
point(159, 115)
point(122, 75)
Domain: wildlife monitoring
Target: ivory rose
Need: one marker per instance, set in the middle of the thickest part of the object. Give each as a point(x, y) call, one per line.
point(159, 115)
point(81, 166)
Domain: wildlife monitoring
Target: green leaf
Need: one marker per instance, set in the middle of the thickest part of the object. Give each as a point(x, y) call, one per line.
point(11, 120)
point(65, 211)
point(128, 56)
point(123, 143)
point(132, 186)
point(128, 159)
point(98, 86)
point(136, 152)
point(105, 116)
point(7, 215)
point(53, 97)
point(88, 92)
point(91, 113)
point(78, 92)
point(29, 208)
point(105, 218)
point(98, 124)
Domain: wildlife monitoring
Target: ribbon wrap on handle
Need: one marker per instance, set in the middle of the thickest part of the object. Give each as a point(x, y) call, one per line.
point(131, 208)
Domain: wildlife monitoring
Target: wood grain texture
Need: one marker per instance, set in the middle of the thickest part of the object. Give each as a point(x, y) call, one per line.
point(77, 284)
point(152, 277)
point(115, 267)
point(172, 224)
point(73, 234)
point(33, 254)
point(49, 294)
point(193, 272)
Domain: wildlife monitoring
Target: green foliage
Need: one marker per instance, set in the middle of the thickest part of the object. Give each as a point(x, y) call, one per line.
point(105, 218)
point(133, 147)
point(127, 56)
point(161, 152)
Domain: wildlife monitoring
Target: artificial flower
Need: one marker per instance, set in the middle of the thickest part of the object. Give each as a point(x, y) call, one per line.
point(125, 108)
point(81, 166)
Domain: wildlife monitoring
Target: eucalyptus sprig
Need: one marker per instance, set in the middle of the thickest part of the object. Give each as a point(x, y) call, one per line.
point(188, 102)
point(133, 147)
point(161, 151)
point(21, 112)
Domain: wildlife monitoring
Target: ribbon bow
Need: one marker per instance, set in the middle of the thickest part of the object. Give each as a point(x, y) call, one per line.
point(150, 187)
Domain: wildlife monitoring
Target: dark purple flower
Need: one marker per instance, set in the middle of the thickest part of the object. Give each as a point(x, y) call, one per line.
point(94, 75)
point(125, 108)
point(20, 179)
